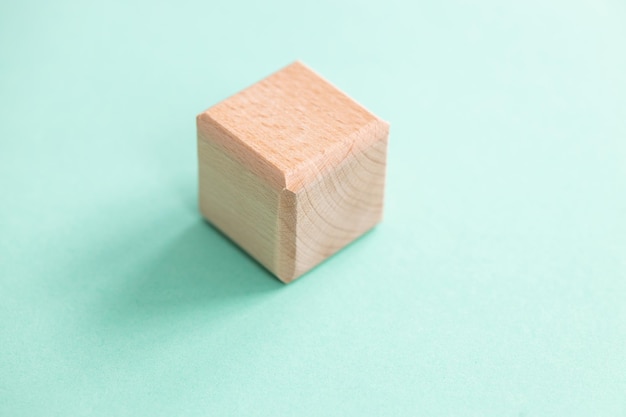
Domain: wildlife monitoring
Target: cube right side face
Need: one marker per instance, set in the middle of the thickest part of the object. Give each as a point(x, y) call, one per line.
point(319, 218)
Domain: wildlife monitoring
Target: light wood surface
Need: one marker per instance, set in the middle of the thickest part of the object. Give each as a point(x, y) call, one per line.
point(291, 169)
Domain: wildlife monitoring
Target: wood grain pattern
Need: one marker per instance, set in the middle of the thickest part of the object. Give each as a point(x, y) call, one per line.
point(291, 169)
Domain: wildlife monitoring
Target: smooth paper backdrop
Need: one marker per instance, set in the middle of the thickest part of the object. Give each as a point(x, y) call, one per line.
point(496, 285)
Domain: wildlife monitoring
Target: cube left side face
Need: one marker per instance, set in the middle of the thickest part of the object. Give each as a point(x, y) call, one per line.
point(236, 200)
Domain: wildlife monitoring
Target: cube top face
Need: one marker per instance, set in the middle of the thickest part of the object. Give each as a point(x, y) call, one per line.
point(297, 123)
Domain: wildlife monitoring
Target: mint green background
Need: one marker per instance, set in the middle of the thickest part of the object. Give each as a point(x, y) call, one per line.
point(496, 285)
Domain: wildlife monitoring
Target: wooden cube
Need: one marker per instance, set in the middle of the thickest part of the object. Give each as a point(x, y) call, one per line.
point(291, 169)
